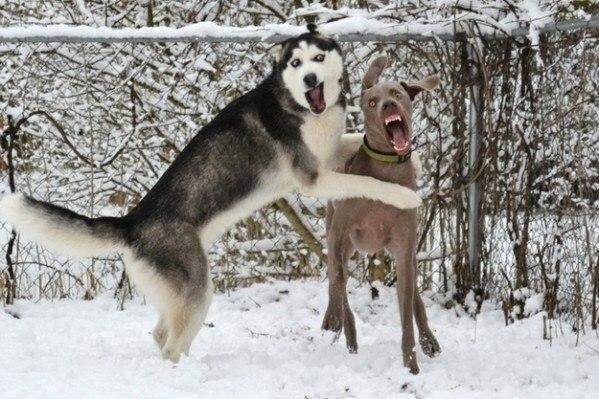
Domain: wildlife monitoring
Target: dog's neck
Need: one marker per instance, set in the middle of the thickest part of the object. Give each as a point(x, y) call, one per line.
point(363, 164)
point(384, 156)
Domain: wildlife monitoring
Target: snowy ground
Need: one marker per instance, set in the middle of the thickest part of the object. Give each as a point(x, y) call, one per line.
point(265, 342)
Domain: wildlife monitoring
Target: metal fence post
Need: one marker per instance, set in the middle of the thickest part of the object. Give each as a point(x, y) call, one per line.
point(475, 119)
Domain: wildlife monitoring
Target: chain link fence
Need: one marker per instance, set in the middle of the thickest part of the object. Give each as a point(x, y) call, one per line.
point(95, 124)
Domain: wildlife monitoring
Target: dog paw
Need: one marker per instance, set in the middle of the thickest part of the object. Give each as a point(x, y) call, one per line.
point(429, 344)
point(407, 199)
point(409, 361)
point(171, 354)
point(352, 345)
point(332, 321)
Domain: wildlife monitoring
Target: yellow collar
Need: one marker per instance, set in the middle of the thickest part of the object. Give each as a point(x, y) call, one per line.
point(388, 157)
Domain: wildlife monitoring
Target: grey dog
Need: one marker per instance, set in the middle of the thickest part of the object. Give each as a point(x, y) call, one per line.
point(357, 224)
point(284, 135)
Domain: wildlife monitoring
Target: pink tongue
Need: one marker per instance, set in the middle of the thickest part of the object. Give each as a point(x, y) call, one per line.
point(401, 144)
point(316, 97)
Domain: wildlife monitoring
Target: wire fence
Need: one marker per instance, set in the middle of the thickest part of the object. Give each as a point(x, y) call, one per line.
point(96, 123)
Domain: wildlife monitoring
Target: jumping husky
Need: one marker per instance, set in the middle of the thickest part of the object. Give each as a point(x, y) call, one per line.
point(284, 135)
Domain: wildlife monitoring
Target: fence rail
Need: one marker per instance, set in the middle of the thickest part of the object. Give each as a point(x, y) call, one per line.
point(343, 30)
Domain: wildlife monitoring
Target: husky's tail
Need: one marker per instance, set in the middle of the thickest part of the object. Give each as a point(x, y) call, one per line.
point(62, 230)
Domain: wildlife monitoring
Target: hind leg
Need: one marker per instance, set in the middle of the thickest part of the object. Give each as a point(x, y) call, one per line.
point(196, 324)
point(405, 270)
point(155, 288)
point(184, 320)
point(176, 320)
point(160, 333)
point(170, 268)
point(338, 314)
point(185, 315)
point(429, 344)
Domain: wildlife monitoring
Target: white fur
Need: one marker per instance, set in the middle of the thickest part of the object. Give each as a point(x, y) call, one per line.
point(327, 71)
point(349, 144)
point(66, 237)
point(322, 133)
point(157, 290)
point(338, 186)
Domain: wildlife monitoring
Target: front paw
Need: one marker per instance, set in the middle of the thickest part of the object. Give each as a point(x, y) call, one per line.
point(409, 361)
point(407, 199)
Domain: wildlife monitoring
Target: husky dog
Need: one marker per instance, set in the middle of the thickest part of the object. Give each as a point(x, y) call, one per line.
point(284, 135)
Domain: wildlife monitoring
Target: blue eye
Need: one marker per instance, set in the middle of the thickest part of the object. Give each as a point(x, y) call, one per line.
point(319, 58)
point(295, 63)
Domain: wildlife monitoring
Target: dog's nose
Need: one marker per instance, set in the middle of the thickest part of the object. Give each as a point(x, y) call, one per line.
point(311, 80)
point(389, 105)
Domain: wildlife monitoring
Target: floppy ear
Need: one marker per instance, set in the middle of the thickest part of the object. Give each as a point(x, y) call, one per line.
point(374, 71)
point(429, 83)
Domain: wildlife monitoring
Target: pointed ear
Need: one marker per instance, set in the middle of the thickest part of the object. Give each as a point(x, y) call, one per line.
point(276, 51)
point(429, 83)
point(374, 71)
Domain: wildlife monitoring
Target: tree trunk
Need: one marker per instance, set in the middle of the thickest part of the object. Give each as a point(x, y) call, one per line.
point(11, 288)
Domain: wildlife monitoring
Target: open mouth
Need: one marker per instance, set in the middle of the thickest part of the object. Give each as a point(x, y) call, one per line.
point(397, 134)
point(315, 98)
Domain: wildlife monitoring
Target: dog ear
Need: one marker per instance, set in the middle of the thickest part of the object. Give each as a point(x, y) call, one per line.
point(429, 83)
point(374, 71)
point(276, 51)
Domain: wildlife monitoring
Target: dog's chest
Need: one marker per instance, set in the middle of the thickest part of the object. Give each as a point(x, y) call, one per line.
point(402, 174)
point(321, 134)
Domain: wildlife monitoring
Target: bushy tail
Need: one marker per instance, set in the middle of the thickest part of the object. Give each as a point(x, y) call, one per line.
point(62, 230)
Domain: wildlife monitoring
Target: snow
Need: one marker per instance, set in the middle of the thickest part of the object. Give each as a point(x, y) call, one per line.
point(534, 14)
point(265, 341)
point(534, 304)
point(355, 22)
point(4, 188)
point(199, 30)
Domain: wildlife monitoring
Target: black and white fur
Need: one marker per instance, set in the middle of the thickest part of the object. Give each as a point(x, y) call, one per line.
point(264, 144)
